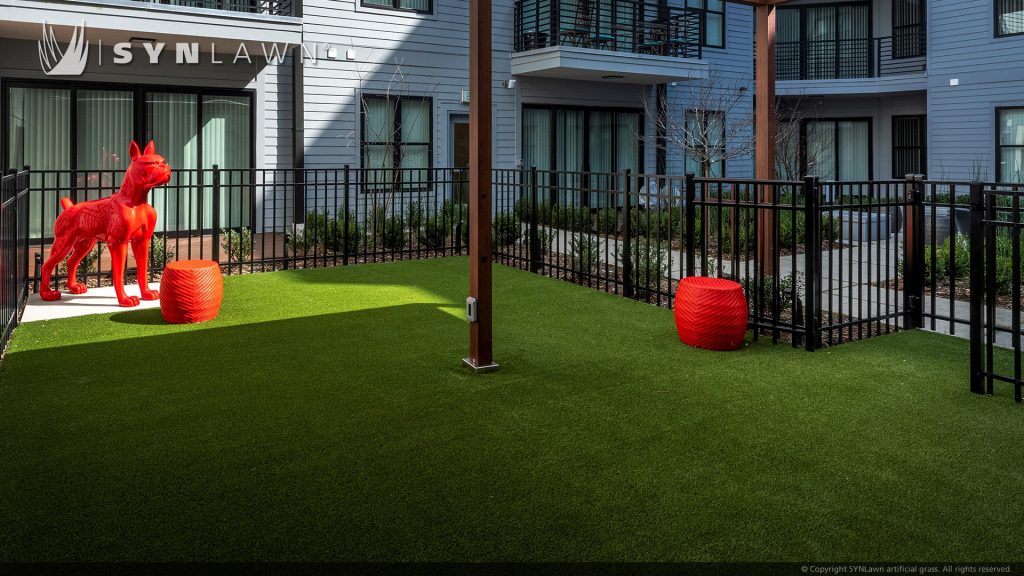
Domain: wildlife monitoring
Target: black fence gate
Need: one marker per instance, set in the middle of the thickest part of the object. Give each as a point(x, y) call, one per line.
point(995, 279)
point(14, 269)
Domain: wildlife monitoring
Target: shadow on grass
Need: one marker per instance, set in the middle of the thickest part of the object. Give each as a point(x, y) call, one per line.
point(151, 317)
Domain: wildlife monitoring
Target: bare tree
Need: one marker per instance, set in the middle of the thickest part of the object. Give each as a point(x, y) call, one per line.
point(384, 173)
point(712, 121)
point(798, 155)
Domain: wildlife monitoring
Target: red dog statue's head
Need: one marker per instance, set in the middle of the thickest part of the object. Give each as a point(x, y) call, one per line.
point(147, 170)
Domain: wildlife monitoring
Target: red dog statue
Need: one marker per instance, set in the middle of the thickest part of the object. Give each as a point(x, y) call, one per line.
point(122, 219)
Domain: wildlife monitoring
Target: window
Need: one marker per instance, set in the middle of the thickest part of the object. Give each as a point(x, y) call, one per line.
point(575, 141)
point(838, 149)
point(397, 135)
point(908, 28)
point(86, 128)
point(1011, 144)
point(824, 42)
point(705, 143)
point(714, 21)
point(908, 145)
point(1009, 17)
point(420, 6)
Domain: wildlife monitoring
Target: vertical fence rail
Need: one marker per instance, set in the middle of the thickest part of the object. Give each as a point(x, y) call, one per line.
point(14, 259)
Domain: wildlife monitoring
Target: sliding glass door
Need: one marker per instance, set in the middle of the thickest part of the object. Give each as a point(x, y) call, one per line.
point(85, 129)
point(39, 136)
point(586, 147)
point(838, 149)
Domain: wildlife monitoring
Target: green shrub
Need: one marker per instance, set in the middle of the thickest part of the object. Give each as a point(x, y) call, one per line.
point(237, 245)
point(88, 264)
point(507, 229)
point(571, 217)
point(414, 215)
point(607, 221)
point(763, 294)
point(433, 233)
point(392, 233)
point(584, 254)
point(650, 263)
point(160, 253)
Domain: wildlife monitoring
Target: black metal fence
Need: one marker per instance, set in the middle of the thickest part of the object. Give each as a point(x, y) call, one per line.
point(822, 263)
point(816, 259)
point(13, 251)
point(247, 220)
point(995, 286)
point(631, 26)
point(851, 58)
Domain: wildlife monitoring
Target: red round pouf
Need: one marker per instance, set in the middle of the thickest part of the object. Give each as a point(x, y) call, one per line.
point(191, 291)
point(711, 313)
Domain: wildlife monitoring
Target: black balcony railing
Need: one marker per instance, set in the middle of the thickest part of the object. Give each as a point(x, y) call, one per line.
point(622, 26)
point(854, 58)
point(270, 7)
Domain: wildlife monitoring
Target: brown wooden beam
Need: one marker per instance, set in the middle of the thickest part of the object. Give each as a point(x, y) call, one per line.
point(481, 354)
point(765, 16)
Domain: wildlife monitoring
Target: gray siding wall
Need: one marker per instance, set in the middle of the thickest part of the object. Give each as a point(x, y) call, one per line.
point(961, 119)
point(732, 69)
point(879, 110)
point(19, 60)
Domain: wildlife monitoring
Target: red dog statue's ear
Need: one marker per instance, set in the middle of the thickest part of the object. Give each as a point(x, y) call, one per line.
point(150, 148)
point(133, 151)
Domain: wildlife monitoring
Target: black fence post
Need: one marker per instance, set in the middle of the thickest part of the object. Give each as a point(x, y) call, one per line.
point(627, 256)
point(216, 217)
point(977, 247)
point(345, 230)
point(691, 224)
point(536, 252)
point(913, 252)
point(812, 253)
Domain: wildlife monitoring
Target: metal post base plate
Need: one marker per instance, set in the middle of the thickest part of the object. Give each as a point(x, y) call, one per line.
point(480, 369)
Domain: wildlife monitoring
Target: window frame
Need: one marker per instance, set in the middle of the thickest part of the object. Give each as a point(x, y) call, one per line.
point(1000, 146)
point(995, 22)
point(397, 145)
point(704, 29)
point(922, 148)
point(396, 7)
point(922, 49)
point(836, 151)
point(686, 151)
point(803, 59)
point(139, 123)
point(552, 109)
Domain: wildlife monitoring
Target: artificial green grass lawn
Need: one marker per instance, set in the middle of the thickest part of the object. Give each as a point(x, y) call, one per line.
point(325, 416)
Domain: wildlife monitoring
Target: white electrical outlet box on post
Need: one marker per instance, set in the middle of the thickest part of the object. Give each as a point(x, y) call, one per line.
point(471, 309)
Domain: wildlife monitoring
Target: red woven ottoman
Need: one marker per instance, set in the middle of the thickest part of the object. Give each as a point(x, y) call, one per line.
point(191, 291)
point(711, 313)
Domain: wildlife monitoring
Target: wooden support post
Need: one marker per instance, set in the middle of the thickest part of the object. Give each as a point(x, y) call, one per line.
point(765, 129)
point(481, 355)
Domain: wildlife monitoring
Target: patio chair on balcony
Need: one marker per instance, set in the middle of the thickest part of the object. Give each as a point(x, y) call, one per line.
point(583, 32)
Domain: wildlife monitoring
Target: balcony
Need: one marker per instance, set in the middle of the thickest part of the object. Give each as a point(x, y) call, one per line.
point(626, 41)
point(269, 7)
point(226, 22)
point(853, 66)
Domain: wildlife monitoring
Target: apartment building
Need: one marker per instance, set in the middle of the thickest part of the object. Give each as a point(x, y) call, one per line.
point(375, 83)
point(890, 87)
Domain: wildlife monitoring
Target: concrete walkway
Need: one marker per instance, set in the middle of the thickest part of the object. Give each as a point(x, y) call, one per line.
point(95, 301)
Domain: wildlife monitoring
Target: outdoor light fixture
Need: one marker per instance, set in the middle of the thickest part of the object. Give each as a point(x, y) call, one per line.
point(613, 77)
point(137, 40)
point(510, 83)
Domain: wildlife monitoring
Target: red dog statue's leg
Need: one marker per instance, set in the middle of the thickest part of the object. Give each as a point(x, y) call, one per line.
point(140, 248)
point(59, 250)
point(118, 253)
point(77, 255)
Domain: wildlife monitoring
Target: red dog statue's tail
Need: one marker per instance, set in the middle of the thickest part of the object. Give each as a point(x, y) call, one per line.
point(66, 203)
